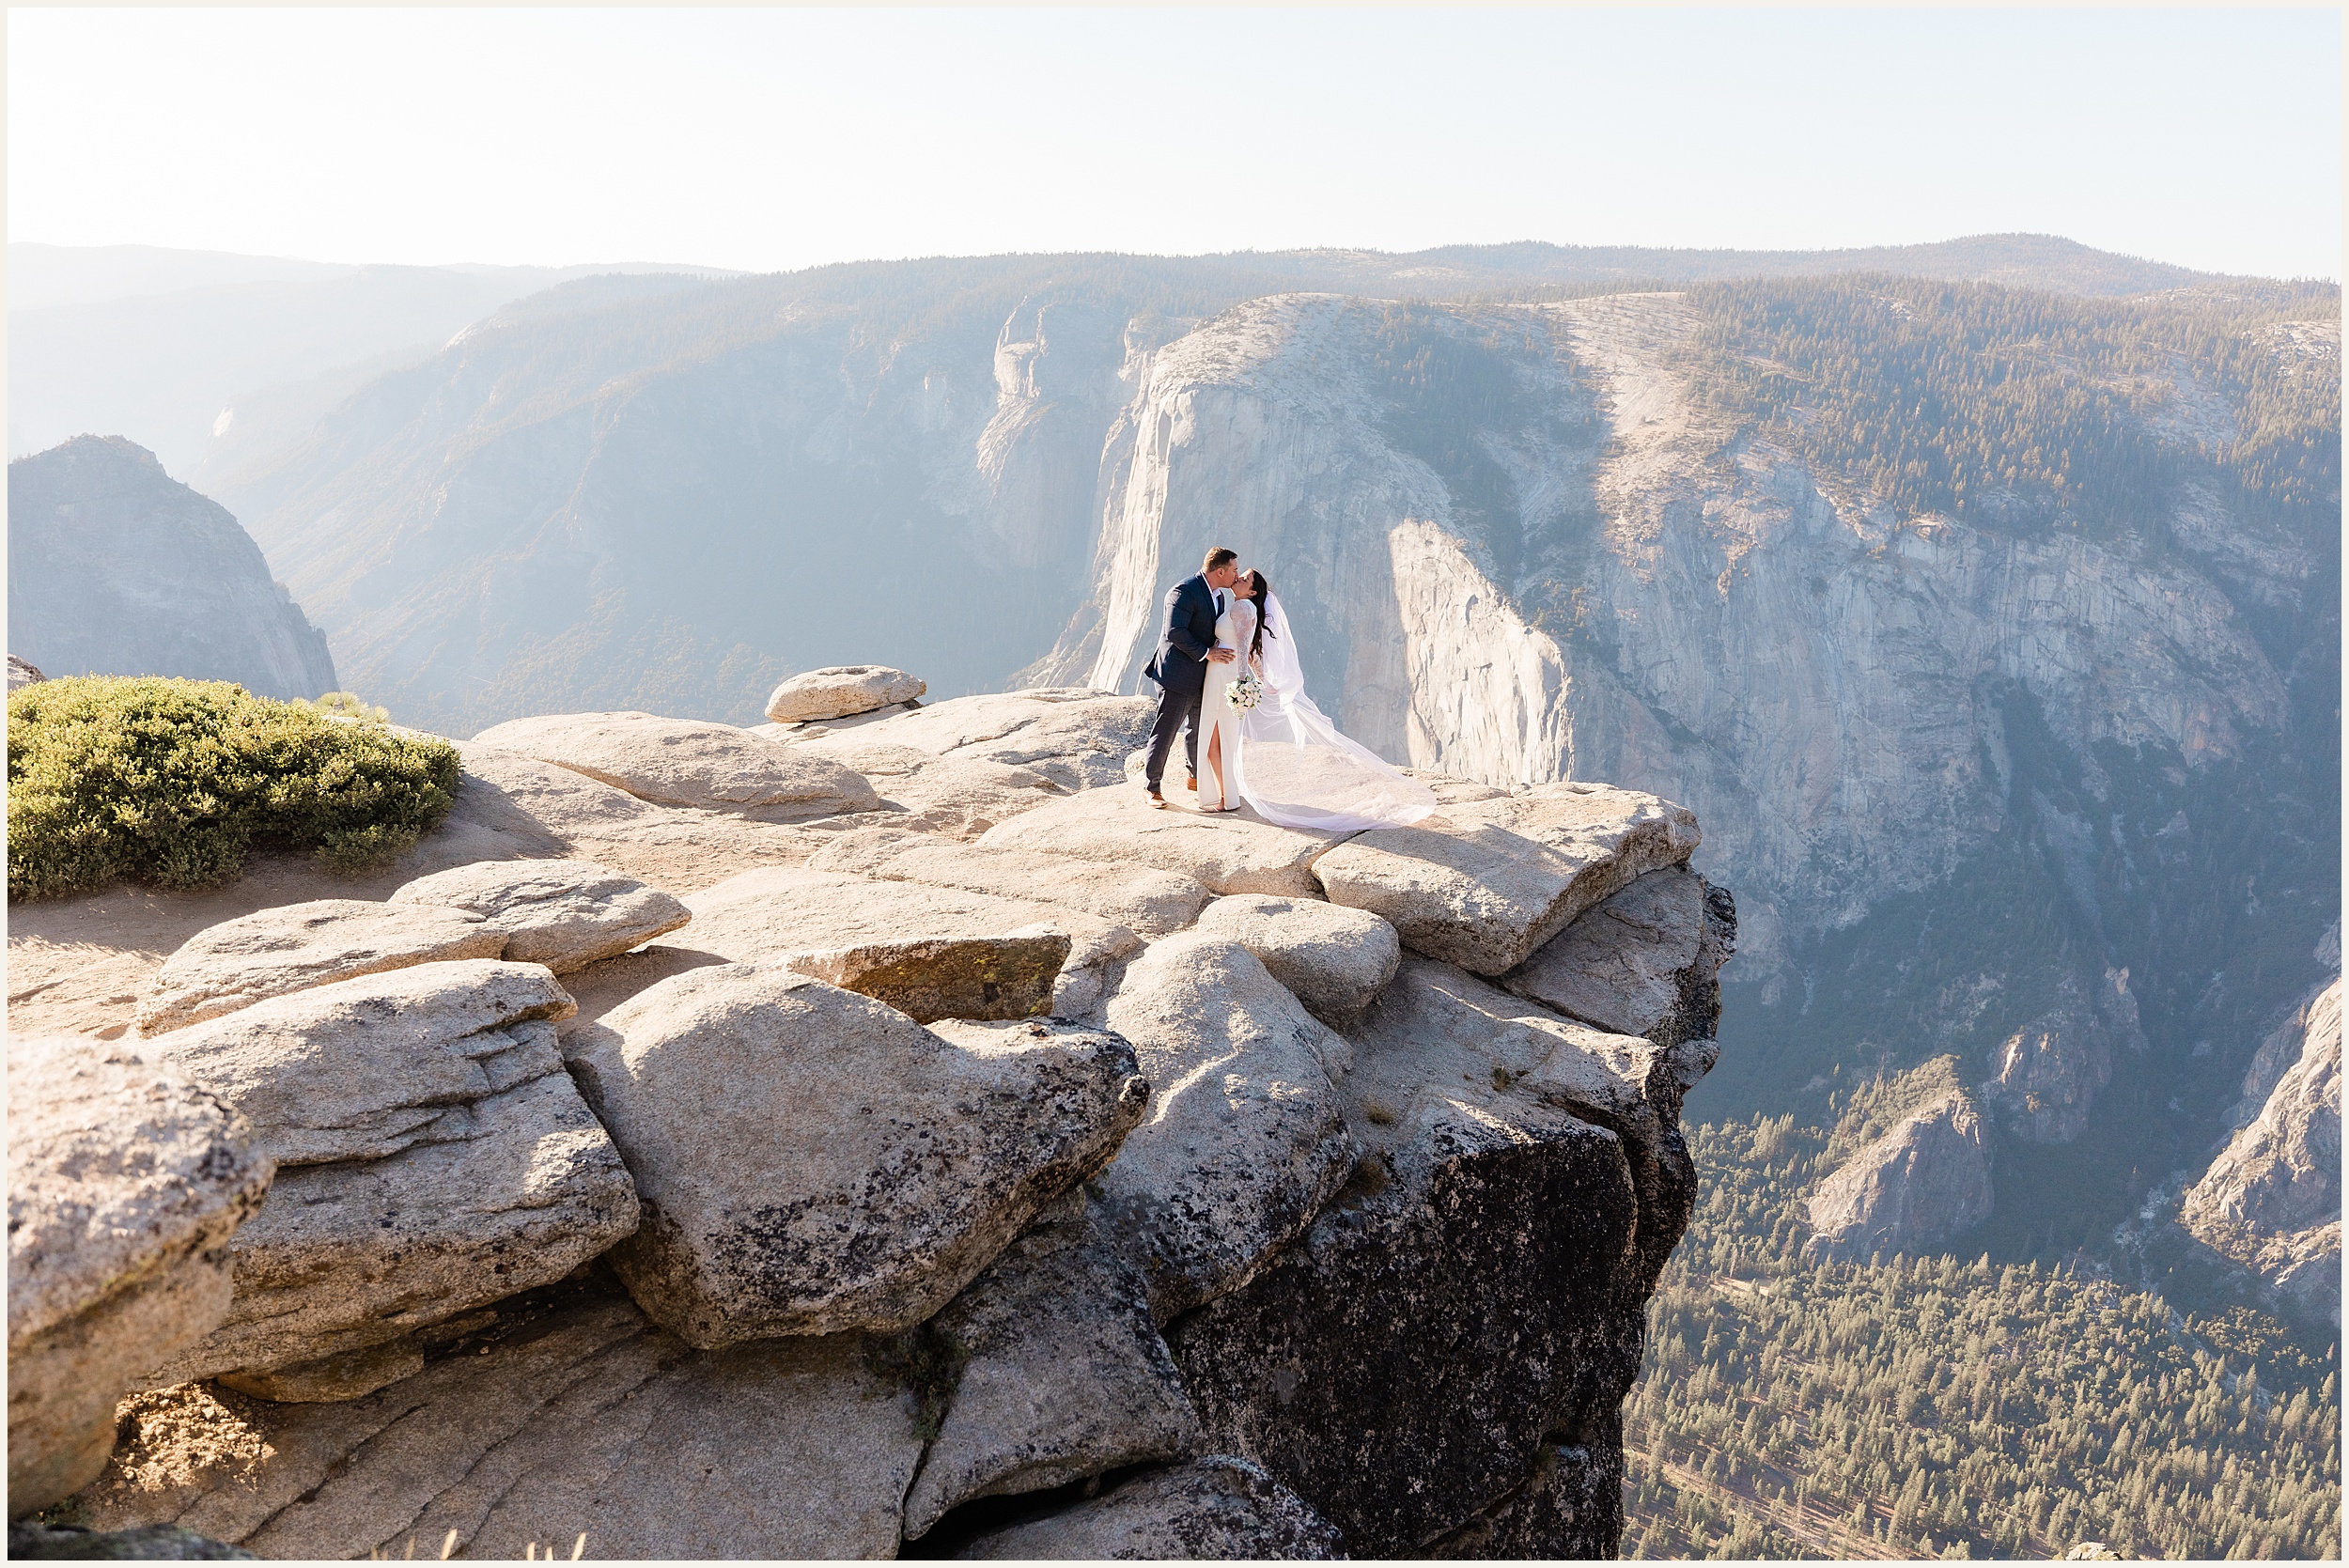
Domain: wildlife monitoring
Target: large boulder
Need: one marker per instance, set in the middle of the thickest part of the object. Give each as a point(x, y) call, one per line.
point(811, 1160)
point(1064, 1375)
point(1336, 960)
point(841, 691)
point(1150, 902)
point(1644, 961)
point(1924, 1183)
point(564, 914)
point(1075, 737)
point(961, 797)
point(293, 947)
point(1485, 883)
point(432, 1156)
point(125, 1182)
point(782, 911)
point(1248, 1138)
point(22, 673)
point(688, 762)
point(1237, 852)
point(578, 1418)
point(1210, 1509)
point(948, 977)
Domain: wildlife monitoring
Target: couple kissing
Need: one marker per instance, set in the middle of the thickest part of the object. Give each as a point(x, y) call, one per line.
point(1227, 660)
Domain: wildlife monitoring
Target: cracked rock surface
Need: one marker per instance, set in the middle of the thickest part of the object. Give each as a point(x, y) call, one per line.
point(578, 1417)
point(432, 1155)
point(296, 946)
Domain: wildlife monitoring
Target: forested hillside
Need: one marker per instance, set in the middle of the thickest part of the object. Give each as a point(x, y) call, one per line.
point(1941, 1407)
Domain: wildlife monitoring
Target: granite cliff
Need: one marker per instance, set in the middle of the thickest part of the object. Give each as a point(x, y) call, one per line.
point(116, 568)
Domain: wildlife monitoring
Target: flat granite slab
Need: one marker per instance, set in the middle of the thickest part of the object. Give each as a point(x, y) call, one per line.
point(1484, 883)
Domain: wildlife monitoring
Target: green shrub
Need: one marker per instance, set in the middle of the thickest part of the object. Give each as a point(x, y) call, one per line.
point(168, 781)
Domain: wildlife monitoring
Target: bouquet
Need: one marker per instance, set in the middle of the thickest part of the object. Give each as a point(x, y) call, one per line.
point(1244, 694)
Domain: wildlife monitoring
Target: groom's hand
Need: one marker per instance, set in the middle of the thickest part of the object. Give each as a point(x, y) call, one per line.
point(1221, 656)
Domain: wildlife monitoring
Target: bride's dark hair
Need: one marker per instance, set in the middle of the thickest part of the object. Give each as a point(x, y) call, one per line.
point(1261, 591)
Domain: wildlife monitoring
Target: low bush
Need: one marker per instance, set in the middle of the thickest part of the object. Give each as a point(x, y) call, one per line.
point(170, 783)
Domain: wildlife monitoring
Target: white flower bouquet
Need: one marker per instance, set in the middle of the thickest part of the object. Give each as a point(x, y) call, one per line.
point(1244, 694)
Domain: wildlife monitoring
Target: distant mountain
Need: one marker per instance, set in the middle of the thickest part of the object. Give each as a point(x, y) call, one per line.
point(2019, 260)
point(212, 359)
point(174, 348)
point(116, 568)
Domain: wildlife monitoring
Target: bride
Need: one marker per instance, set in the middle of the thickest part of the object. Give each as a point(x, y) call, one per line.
point(1290, 763)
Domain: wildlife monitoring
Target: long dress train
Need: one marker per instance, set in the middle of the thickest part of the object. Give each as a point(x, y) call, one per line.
point(1296, 769)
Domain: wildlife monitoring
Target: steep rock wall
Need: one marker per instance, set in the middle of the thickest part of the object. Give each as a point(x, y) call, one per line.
point(116, 568)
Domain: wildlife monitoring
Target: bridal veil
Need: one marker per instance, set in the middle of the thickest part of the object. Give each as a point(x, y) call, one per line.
point(1295, 768)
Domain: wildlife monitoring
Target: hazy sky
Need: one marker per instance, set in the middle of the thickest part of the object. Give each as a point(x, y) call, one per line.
point(769, 139)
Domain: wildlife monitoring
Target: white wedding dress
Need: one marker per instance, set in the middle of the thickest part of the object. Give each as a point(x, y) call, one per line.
point(1295, 768)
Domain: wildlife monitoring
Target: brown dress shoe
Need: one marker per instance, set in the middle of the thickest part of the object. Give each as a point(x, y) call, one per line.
point(1156, 798)
point(1190, 783)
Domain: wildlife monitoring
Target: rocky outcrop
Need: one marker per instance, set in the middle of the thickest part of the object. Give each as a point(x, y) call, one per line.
point(1460, 1310)
point(1181, 1268)
point(840, 691)
point(2271, 1201)
point(810, 1160)
point(1484, 883)
point(1335, 959)
point(294, 947)
point(116, 568)
point(1924, 1183)
point(125, 1181)
point(2044, 1079)
point(432, 1156)
point(564, 914)
point(677, 762)
point(22, 673)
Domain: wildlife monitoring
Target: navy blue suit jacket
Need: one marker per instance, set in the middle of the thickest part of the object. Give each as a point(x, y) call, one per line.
point(1189, 632)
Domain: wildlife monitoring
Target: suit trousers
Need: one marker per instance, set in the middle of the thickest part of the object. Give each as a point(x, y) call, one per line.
point(1179, 706)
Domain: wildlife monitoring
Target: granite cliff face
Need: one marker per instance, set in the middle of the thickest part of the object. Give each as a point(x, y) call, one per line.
point(116, 568)
point(2271, 1200)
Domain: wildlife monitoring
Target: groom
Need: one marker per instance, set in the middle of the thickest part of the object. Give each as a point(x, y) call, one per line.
point(1180, 665)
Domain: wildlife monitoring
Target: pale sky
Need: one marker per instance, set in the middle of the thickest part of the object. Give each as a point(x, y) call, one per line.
point(771, 139)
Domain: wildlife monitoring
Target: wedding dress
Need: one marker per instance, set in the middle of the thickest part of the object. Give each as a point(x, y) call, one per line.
point(1235, 628)
point(1295, 768)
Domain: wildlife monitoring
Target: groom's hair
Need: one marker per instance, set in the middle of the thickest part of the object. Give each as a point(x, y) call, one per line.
point(1218, 558)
